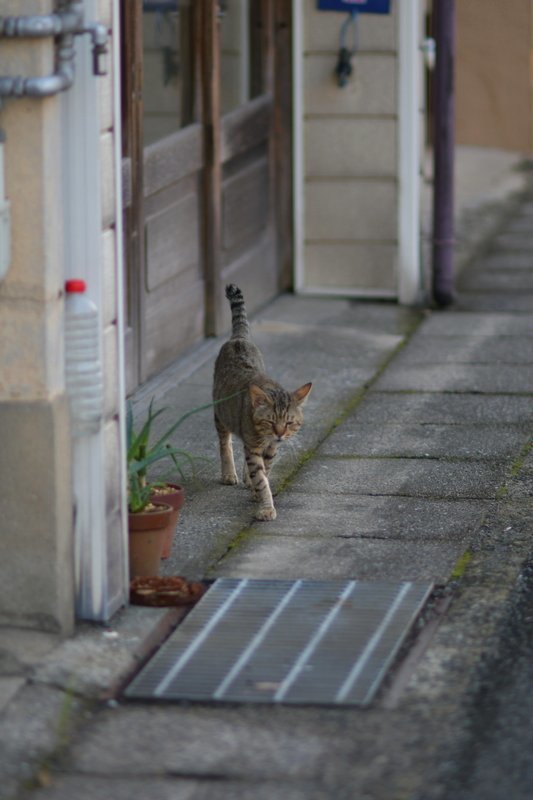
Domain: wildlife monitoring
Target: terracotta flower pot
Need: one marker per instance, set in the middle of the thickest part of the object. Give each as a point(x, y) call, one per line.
point(147, 533)
point(172, 494)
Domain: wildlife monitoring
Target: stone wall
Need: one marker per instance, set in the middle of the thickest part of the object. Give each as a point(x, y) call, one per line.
point(36, 571)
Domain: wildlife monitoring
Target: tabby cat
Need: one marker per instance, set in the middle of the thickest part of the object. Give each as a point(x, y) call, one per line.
point(258, 410)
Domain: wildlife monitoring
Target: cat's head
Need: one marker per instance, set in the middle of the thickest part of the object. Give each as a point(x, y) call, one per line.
point(278, 414)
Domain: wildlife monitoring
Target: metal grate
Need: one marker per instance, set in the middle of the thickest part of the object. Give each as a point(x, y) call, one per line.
point(276, 641)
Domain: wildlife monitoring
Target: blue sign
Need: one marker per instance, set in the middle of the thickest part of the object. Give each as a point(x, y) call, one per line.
point(362, 6)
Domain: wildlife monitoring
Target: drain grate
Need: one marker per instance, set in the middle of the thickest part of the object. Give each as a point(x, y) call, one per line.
point(276, 641)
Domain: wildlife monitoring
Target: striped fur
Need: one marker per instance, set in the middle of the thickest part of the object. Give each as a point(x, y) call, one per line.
point(239, 320)
point(257, 409)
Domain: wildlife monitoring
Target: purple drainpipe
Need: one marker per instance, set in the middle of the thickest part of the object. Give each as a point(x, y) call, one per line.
point(443, 152)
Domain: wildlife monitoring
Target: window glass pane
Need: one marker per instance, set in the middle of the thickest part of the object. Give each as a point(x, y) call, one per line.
point(240, 52)
point(167, 60)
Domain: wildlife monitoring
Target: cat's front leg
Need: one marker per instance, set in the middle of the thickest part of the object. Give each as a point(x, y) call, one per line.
point(227, 464)
point(260, 486)
point(245, 474)
point(269, 454)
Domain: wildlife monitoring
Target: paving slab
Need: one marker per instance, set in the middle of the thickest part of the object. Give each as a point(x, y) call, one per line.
point(95, 787)
point(426, 408)
point(180, 788)
point(31, 727)
point(20, 648)
point(228, 748)
point(514, 240)
point(424, 441)
point(90, 662)
point(491, 378)
point(400, 476)
point(525, 208)
point(206, 528)
point(366, 517)
point(521, 223)
point(424, 349)
point(521, 488)
point(477, 323)
point(203, 741)
point(327, 344)
point(318, 558)
point(9, 686)
point(520, 301)
point(507, 280)
point(368, 317)
point(503, 261)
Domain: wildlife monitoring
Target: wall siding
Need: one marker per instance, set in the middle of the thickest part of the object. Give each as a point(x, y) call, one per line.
point(350, 159)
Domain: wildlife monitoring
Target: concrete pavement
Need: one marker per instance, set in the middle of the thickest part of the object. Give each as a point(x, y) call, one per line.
point(414, 462)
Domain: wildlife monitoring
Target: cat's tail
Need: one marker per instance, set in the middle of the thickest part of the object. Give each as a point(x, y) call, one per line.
point(239, 320)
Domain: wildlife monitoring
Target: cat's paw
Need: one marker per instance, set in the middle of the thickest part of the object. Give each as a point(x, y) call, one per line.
point(266, 513)
point(229, 478)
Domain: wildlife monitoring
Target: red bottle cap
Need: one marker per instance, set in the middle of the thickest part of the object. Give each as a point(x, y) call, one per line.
point(75, 285)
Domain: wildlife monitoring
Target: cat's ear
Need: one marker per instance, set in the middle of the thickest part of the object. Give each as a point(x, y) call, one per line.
point(258, 396)
point(300, 395)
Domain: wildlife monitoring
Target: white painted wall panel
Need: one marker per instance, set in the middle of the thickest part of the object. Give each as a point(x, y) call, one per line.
point(351, 210)
point(372, 89)
point(347, 165)
point(372, 264)
point(342, 148)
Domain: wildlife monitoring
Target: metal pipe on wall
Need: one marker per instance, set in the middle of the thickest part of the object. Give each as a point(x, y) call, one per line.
point(443, 153)
point(410, 100)
point(67, 23)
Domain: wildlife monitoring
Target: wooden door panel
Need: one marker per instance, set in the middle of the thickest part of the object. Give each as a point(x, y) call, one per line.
point(248, 241)
point(245, 207)
point(172, 236)
point(201, 190)
point(255, 271)
point(172, 158)
point(248, 236)
point(174, 285)
point(246, 127)
point(174, 317)
point(175, 280)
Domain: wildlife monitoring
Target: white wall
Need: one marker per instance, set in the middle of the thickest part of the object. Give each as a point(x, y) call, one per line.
point(93, 235)
point(348, 226)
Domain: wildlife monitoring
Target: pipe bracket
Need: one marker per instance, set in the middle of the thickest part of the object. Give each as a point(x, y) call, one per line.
point(63, 25)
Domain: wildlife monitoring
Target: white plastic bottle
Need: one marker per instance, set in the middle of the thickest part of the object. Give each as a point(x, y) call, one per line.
point(83, 368)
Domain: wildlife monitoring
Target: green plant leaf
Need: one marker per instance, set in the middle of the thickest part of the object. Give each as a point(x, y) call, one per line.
point(182, 419)
point(141, 454)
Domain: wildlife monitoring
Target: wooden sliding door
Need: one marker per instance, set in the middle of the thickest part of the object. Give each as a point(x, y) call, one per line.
point(200, 167)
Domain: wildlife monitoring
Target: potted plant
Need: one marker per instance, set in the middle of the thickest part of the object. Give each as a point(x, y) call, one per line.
point(147, 534)
point(146, 497)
